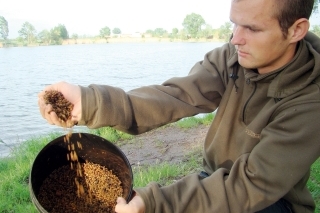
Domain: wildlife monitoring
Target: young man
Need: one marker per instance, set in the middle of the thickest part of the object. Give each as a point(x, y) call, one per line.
point(264, 138)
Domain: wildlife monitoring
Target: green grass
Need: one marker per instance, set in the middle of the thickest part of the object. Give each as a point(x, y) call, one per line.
point(194, 121)
point(14, 175)
point(166, 173)
point(15, 169)
point(314, 183)
point(111, 134)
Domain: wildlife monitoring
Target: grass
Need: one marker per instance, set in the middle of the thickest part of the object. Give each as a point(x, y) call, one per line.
point(314, 183)
point(14, 175)
point(194, 121)
point(15, 169)
point(166, 173)
point(111, 134)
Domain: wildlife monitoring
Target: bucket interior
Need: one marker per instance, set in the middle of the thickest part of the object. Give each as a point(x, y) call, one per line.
point(94, 149)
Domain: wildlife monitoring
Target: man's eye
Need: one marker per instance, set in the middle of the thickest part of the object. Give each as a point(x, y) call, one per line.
point(252, 29)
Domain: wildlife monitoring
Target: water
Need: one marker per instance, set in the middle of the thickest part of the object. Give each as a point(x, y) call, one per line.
point(25, 71)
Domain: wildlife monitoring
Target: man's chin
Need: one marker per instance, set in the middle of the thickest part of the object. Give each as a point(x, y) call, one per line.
point(245, 64)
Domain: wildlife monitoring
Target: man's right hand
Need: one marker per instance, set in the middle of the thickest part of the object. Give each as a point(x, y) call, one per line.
point(72, 93)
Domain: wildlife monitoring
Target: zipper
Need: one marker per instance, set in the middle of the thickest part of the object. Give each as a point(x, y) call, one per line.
point(246, 104)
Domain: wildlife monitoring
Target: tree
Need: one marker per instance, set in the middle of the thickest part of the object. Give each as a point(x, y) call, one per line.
point(63, 32)
point(150, 32)
point(183, 34)
point(28, 32)
point(193, 23)
point(315, 6)
point(75, 37)
point(159, 32)
point(44, 36)
point(225, 31)
point(316, 30)
point(4, 30)
point(58, 34)
point(116, 31)
point(207, 32)
point(174, 33)
point(105, 32)
point(55, 36)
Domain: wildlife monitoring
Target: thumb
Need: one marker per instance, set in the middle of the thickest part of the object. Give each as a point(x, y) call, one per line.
point(121, 201)
point(121, 205)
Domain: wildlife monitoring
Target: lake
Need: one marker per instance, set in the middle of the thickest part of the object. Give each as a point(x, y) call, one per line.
point(25, 71)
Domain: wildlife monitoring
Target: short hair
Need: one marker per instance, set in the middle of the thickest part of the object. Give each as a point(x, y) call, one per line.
point(290, 11)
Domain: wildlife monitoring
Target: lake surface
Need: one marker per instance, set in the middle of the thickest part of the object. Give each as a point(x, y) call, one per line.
point(25, 71)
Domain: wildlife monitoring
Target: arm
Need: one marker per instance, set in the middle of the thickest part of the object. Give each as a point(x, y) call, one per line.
point(146, 108)
point(278, 166)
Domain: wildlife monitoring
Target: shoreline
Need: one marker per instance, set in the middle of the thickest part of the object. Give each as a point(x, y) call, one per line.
point(80, 41)
point(134, 40)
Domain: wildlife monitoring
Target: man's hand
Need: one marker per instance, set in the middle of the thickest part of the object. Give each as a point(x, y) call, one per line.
point(136, 205)
point(70, 92)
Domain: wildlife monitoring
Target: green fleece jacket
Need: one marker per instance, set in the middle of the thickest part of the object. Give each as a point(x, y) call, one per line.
point(260, 146)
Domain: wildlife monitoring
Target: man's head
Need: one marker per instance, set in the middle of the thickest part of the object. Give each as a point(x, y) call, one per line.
point(266, 32)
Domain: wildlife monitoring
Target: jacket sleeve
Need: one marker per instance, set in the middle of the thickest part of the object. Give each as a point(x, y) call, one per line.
point(277, 167)
point(148, 107)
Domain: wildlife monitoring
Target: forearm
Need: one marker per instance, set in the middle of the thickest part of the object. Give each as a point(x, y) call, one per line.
point(145, 108)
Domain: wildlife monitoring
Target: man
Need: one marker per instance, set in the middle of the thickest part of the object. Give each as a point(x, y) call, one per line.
point(264, 138)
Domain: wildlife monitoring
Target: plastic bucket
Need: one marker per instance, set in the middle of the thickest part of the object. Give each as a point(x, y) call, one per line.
point(95, 149)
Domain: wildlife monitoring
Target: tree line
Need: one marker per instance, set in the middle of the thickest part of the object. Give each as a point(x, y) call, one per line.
point(194, 26)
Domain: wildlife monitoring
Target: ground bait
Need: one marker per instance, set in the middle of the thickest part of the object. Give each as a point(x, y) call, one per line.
point(60, 191)
point(61, 106)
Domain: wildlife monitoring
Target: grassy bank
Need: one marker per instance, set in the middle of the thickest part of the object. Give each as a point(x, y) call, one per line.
point(15, 169)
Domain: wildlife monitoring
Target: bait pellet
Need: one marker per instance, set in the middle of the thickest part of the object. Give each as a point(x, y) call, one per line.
point(60, 105)
point(65, 191)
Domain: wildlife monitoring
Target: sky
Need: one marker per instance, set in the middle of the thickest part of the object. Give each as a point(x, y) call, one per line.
point(88, 17)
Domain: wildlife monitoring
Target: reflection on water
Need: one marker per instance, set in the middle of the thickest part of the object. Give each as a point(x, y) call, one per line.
point(25, 71)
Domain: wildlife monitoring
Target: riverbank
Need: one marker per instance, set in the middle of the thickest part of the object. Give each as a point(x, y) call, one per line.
point(134, 40)
point(163, 155)
point(98, 40)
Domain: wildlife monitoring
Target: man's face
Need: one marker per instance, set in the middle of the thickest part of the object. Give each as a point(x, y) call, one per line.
point(258, 36)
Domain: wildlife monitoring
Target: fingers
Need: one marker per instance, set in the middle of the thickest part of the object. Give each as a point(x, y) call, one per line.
point(121, 201)
point(56, 86)
point(136, 205)
point(45, 109)
point(121, 206)
point(47, 113)
point(41, 104)
point(69, 92)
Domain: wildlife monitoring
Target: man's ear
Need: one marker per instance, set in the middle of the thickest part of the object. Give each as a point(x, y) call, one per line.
point(298, 30)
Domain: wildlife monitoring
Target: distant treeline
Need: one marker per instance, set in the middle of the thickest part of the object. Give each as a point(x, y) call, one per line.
point(193, 27)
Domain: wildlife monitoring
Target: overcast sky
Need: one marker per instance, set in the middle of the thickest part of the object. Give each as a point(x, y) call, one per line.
point(88, 17)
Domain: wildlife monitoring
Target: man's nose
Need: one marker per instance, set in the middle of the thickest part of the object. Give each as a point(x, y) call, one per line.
point(237, 36)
